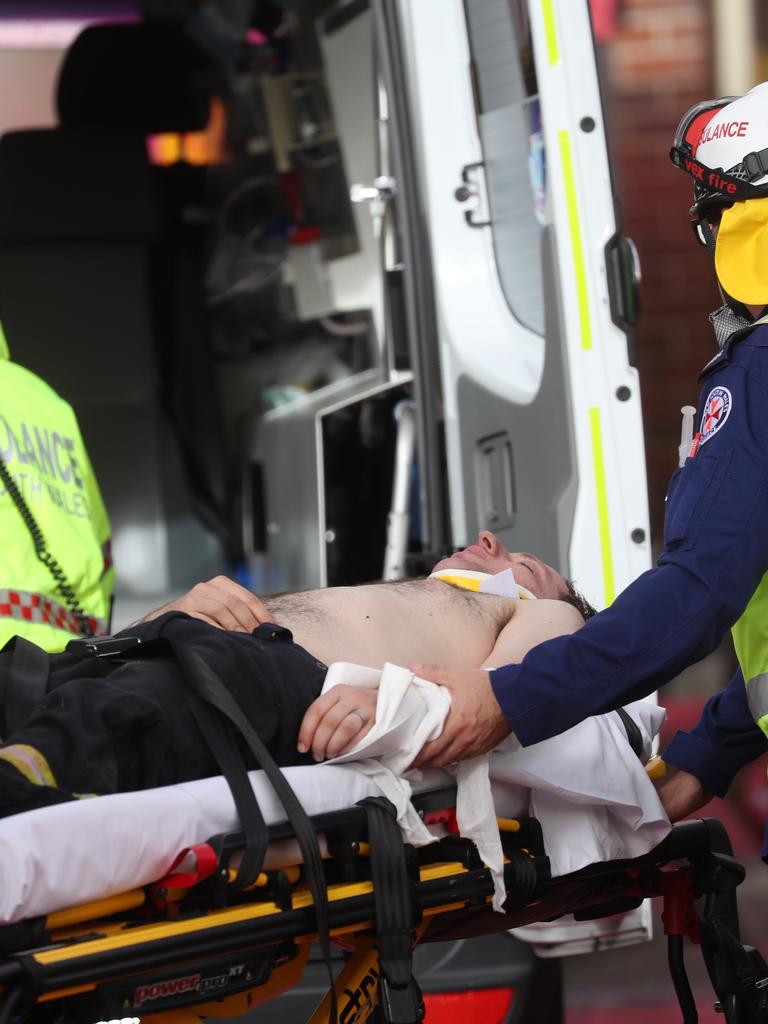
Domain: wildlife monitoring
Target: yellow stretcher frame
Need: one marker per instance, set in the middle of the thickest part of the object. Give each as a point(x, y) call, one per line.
point(113, 927)
point(356, 984)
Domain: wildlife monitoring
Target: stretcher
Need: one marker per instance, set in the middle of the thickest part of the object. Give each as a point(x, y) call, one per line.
point(195, 944)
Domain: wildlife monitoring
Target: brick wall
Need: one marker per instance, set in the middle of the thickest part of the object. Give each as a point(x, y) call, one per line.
point(656, 63)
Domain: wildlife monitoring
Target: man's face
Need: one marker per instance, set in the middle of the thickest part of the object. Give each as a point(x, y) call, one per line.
point(489, 555)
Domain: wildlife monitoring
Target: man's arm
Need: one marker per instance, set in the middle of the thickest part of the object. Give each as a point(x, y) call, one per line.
point(532, 623)
point(476, 723)
point(220, 602)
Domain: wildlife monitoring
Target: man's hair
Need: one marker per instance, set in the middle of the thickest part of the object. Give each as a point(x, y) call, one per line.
point(579, 602)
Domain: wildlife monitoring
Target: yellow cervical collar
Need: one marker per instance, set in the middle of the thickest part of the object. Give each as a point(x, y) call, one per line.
point(501, 584)
point(741, 252)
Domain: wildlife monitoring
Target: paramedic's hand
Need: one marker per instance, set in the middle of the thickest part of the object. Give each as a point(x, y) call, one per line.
point(475, 723)
point(221, 602)
point(681, 793)
point(337, 720)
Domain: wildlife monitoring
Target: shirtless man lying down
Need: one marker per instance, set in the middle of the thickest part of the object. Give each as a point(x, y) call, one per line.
point(109, 725)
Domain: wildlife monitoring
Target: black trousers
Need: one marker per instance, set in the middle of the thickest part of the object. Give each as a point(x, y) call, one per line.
point(110, 725)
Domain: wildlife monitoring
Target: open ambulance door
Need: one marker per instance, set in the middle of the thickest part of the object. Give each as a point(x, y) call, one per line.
point(533, 293)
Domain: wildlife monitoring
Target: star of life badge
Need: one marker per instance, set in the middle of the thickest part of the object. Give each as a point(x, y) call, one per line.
point(716, 411)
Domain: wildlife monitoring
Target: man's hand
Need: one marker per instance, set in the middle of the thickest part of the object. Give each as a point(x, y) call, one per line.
point(475, 723)
point(337, 720)
point(220, 602)
point(681, 793)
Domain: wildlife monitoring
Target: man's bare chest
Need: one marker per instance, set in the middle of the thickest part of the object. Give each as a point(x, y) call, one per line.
point(402, 622)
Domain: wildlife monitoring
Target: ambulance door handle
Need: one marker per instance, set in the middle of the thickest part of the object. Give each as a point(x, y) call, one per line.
point(473, 186)
point(624, 277)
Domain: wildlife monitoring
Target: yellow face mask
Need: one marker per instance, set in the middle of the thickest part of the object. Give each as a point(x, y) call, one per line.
point(741, 252)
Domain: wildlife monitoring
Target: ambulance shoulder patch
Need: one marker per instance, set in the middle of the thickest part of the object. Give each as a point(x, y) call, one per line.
point(716, 411)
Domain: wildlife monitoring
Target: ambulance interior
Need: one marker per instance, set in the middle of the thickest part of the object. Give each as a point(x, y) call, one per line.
point(236, 286)
point(353, 291)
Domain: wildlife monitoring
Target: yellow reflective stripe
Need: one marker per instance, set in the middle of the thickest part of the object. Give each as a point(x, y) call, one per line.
point(550, 32)
point(577, 248)
point(29, 762)
point(750, 635)
point(750, 638)
point(601, 495)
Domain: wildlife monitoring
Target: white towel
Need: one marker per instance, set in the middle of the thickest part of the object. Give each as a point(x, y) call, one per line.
point(409, 713)
point(587, 787)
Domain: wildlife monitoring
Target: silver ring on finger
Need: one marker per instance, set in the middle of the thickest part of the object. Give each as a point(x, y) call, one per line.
point(360, 714)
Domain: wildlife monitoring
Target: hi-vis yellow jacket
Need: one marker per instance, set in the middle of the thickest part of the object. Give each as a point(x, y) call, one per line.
point(41, 447)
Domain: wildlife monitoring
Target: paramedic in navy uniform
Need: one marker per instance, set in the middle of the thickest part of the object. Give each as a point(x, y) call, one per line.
point(712, 573)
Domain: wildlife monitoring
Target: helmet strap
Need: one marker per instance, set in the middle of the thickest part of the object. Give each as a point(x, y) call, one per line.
point(738, 307)
point(704, 234)
point(716, 180)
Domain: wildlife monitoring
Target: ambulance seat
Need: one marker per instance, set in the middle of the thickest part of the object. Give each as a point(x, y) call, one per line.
point(101, 293)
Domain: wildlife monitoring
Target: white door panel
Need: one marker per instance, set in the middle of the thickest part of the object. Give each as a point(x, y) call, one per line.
point(535, 374)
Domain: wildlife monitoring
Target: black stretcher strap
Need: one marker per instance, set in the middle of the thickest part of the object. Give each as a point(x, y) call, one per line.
point(218, 735)
point(210, 689)
point(632, 730)
point(399, 995)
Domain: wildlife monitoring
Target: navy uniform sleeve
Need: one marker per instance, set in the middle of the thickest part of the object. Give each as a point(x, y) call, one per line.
point(715, 552)
point(725, 739)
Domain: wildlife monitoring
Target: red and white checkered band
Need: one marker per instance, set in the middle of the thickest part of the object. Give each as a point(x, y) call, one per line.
point(30, 607)
point(717, 408)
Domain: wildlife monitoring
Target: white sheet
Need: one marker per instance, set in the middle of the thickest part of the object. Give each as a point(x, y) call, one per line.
point(586, 787)
point(592, 763)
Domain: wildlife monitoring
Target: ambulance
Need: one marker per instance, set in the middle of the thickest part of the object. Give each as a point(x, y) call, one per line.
point(361, 291)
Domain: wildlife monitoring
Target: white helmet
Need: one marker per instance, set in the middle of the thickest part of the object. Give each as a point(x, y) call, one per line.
point(723, 145)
